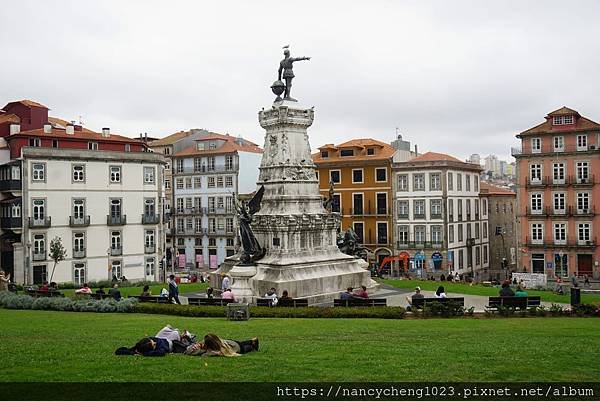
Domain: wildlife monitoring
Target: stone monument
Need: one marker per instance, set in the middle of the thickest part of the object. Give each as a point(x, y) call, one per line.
point(293, 227)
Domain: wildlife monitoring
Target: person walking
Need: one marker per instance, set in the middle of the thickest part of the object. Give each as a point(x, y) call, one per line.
point(4, 280)
point(173, 290)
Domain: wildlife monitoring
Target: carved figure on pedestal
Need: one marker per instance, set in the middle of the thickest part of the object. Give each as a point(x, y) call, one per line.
point(328, 202)
point(349, 243)
point(251, 249)
point(285, 151)
point(273, 148)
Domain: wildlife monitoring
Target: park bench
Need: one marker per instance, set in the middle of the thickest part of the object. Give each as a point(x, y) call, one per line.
point(289, 303)
point(99, 296)
point(360, 302)
point(494, 303)
point(39, 293)
point(202, 301)
point(157, 299)
point(419, 303)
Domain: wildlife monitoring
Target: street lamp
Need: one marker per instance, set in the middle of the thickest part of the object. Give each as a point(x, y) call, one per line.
point(28, 267)
point(108, 264)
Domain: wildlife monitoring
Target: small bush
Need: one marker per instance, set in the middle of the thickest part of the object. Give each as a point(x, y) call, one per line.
point(586, 310)
point(77, 304)
point(387, 312)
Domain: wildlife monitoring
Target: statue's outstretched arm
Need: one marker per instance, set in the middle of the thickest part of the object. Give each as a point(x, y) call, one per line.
point(300, 58)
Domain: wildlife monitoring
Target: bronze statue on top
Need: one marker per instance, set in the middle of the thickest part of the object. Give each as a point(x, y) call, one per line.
point(287, 73)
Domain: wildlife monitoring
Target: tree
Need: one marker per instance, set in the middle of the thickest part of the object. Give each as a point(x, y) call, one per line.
point(57, 253)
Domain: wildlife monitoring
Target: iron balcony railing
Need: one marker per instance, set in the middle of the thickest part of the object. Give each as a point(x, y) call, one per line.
point(79, 221)
point(79, 253)
point(10, 185)
point(40, 223)
point(419, 244)
point(11, 223)
point(116, 251)
point(39, 256)
point(545, 150)
point(116, 220)
point(150, 218)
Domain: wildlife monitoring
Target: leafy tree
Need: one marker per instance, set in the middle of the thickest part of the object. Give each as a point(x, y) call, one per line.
point(57, 253)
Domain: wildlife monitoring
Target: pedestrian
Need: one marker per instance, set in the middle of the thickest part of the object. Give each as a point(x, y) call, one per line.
point(225, 284)
point(173, 290)
point(586, 281)
point(574, 282)
point(4, 280)
point(114, 292)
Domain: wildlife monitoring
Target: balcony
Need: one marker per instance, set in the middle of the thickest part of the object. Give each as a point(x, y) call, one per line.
point(436, 216)
point(403, 216)
point(11, 223)
point(419, 244)
point(10, 185)
point(567, 181)
point(150, 218)
point(553, 244)
point(116, 220)
point(79, 253)
point(205, 169)
point(582, 182)
point(149, 248)
point(116, 251)
point(39, 256)
point(185, 231)
point(550, 150)
point(79, 222)
point(40, 223)
point(219, 210)
point(575, 212)
point(362, 211)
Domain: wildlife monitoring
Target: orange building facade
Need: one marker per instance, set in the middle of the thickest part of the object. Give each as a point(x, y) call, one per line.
point(558, 168)
point(360, 171)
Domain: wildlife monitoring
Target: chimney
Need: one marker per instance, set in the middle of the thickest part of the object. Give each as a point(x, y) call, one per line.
point(105, 132)
point(15, 129)
point(47, 128)
point(145, 137)
point(416, 151)
point(70, 130)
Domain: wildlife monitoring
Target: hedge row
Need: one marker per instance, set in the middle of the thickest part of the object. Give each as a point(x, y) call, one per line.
point(10, 300)
point(385, 312)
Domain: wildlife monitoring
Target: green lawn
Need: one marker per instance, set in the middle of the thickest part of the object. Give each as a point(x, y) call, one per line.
point(68, 346)
point(155, 289)
point(459, 288)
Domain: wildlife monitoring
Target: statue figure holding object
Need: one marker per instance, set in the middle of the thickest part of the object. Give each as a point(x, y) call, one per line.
point(287, 73)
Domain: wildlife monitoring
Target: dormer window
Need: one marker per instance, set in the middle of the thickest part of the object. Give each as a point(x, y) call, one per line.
point(562, 120)
point(568, 120)
point(370, 151)
point(212, 145)
point(346, 152)
point(324, 154)
point(200, 146)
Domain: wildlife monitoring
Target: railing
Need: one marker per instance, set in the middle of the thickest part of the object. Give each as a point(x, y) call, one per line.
point(149, 248)
point(568, 180)
point(403, 216)
point(419, 244)
point(549, 211)
point(40, 223)
point(11, 223)
point(10, 185)
point(116, 220)
point(358, 211)
point(116, 251)
point(560, 243)
point(205, 169)
point(520, 151)
point(79, 253)
point(436, 215)
point(150, 218)
point(220, 210)
point(39, 256)
point(185, 231)
point(79, 222)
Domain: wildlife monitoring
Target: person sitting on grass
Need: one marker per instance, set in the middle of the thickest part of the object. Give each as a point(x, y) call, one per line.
point(416, 295)
point(114, 292)
point(506, 291)
point(228, 294)
point(146, 291)
point(84, 290)
point(362, 292)
point(167, 340)
point(440, 293)
point(520, 292)
point(213, 345)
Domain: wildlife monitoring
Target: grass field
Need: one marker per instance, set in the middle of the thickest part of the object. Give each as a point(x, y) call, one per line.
point(68, 346)
point(459, 288)
point(155, 289)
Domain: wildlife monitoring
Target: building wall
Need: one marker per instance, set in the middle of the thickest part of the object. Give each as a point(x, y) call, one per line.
point(502, 212)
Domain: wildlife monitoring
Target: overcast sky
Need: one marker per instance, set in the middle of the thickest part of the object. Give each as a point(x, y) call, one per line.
point(458, 77)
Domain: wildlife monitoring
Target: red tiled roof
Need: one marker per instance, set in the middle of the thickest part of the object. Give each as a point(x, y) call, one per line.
point(385, 152)
point(29, 103)
point(581, 124)
point(168, 140)
point(231, 145)
point(564, 111)
point(489, 189)
point(435, 157)
point(84, 135)
point(64, 123)
point(12, 118)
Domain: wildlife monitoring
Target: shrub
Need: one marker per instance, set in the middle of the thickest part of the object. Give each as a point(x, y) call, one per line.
point(586, 310)
point(77, 304)
point(448, 309)
point(387, 312)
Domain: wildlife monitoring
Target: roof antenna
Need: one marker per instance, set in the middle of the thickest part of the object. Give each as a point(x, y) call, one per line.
point(80, 121)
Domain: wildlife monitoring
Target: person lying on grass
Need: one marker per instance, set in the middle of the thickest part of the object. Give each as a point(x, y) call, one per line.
point(215, 346)
point(167, 340)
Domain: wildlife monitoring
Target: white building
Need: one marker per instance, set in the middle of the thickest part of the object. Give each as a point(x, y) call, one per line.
point(206, 178)
point(441, 225)
point(104, 206)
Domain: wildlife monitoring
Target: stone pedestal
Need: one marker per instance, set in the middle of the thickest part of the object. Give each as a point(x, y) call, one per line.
point(299, 235)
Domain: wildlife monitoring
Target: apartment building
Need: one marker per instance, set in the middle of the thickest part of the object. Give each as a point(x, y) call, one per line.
point(206, 177)
point(360, 172)
point(441, 225)
point(557, 166)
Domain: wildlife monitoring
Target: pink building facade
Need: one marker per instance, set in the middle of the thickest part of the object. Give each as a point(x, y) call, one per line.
point(558, 174)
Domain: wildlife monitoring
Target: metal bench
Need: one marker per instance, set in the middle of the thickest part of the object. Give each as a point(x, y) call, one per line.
point(360, 302)
point(202, 301)
point(288, 303)
point(151, 299)
point(419, 303)
point(494, 303)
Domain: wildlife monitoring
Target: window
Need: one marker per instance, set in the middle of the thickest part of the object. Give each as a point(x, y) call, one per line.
point(583, 233)
point(115, 240)
point(188, 203)
point(79, 273)
point(197, 164)
point(476, 203)
point(357, 203)
point(382, 237)
point(35, 142)
point(468, 209)
point(582, 172)
point(149, 239)
point(450, 182)
point(403, 209)
point(458, 182)
point(197, 182)
point(559, 203)
point(324, 154)
point(127, 147)
point(460, 209)
point(179, 163)
point(467, 182)
point(334, 176)
point(485, 229)
point(39, 244)
point(188, 182)
point(78, 242)
point(558, 173)
point(485, 254)
point(149, 175)
point(229, 162)
point(402, 182)
point(461, 261)
point(211, 204)
point(560, 233)
point(211, 182)
point(381, 174)
point(78, 209)
point(559, 144)
point(179, 183)
point(229, 204)
point(436, 234)
point(167, 166)
point(460, 233)
point(212, 242)
point(476, 182)
point(450, 234)
point(583, 202)
point(189, 224)
point(115, 174)
point(167, 151)
point(212, 226)
point(536, 173)
point(420, 234)
point(117, 270)
point(435, 182)
point(336, 205)
point(229, 181)
point(78, 173)
point(92, 145)
point(451, 210)
point(149, 207)
point(55, 143)
point(484, 207)
point(536, 203)
point(360, 231)
point(220, 181)
point(436, 208)
point(115, 208)
point(382, 203)
point(229, 225)
point(403, 234)
point(568, 120)
point(346, 152)
point(582, 143)
point(419, 182)
point(150, 267)
point(419, 209)
point(39, 209)
point(536, 145)
point(198, 224)
point(38, 172)
point(211, 163)
point(477, 256)
point(477, 230)
point(212, 145)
